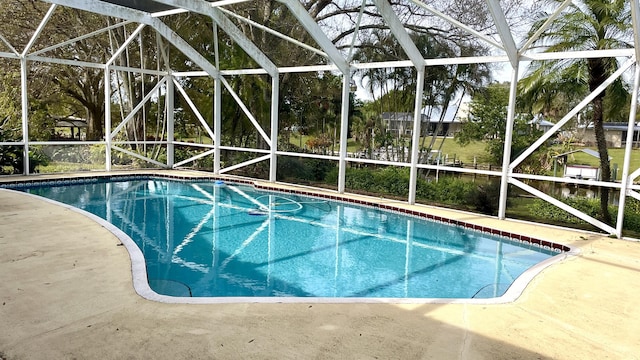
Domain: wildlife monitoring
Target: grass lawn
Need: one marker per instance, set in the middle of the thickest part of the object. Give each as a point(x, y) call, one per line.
point(450, 147)
point(617, 156)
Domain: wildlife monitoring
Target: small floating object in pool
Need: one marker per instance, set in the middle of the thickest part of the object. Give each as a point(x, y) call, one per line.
point(257, 212)
point(219, 182)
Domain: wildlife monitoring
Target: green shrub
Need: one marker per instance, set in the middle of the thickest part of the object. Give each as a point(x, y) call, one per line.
point(304, 169)
point(543, 210)
point(484, 197)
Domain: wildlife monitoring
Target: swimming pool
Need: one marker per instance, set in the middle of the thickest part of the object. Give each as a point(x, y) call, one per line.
point(203, 239)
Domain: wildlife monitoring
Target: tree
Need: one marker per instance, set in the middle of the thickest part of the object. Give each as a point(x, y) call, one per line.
point(584, 25)
point(487, 122)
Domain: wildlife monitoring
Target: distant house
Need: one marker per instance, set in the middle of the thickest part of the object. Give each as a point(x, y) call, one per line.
point(615, 134)
point(402, 122)
point(540, 123)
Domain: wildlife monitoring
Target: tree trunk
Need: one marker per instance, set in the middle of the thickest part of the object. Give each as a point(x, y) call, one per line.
point(95, 130)
point(597, 77)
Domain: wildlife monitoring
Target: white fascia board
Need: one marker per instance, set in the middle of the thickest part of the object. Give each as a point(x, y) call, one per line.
point(400, 33)
point(317, 34)
point(205, 8)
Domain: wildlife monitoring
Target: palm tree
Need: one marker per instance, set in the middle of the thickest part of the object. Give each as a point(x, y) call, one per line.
point(584, 25)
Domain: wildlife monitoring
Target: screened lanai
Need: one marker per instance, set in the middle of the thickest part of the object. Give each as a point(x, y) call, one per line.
point(239, 86)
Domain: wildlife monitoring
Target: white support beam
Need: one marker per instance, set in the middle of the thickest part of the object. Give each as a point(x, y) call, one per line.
point(276, 33)
point(24, 98)
point(138, 107)
point(108, 9)
point(7, 55)
point(138, 156)
point(459, 25)
point(504, 32)
point(585, 54)
point(245, 163)
point(126, 43)
point(170, 108)
point(635, 19)
point(204, 8)
point(25, 114)
point(193, 108)
point(275, 99)
point(544, 26)
point(217, 105)
point(150, 72)
point(317, 34)
point(6, 42)
point(625, 180)
point(194, 158)
point(39, 29)
point(508, 136)
point(400, 33)
point(107, 117)
point(354, 37)
point(597, 223)
point(65, 62)
point(82, 37)
point(246, 111)
point(415, 139)
point(344, 129)
point(541, 140)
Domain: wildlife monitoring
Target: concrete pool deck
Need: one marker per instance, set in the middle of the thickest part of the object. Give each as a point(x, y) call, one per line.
point(66, 292)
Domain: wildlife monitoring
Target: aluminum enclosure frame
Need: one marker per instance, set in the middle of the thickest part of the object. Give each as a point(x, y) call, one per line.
point(338, 61)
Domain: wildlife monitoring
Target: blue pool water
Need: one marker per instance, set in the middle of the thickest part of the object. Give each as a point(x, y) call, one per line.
point(204, 239)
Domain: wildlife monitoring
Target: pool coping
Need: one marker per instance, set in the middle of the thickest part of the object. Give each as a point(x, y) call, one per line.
point(138, 264)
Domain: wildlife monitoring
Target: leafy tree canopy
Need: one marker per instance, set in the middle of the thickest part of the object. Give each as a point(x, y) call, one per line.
point(487, 122)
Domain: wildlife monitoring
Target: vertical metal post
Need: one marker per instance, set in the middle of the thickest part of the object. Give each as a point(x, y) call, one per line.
point(23, 88)
point(25, 114)
point(508, 136)
point(415, 139)
point(344, 129)
point(107, 117)
point(217, 122)
point(275, 95)
point(170, 121)
point(217, 104)
point(624, 183)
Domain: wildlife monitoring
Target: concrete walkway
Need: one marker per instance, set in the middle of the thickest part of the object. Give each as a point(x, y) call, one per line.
point(66, 293)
